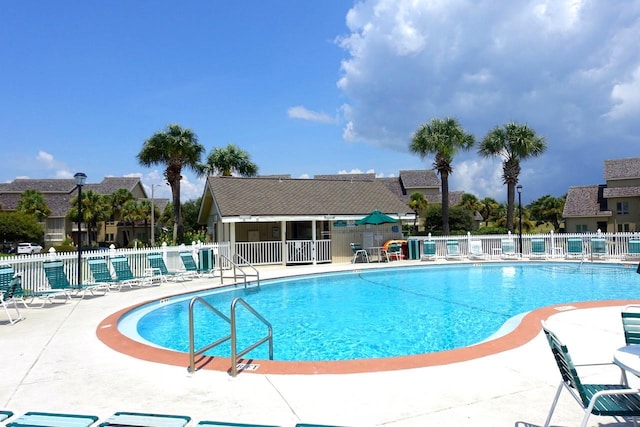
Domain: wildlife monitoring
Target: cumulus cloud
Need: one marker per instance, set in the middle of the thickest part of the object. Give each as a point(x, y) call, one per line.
point(48, 162)
point(300, 112)
point(564, 67)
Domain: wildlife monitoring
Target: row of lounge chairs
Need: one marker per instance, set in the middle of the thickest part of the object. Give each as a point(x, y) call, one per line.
point(51, 419)
point(575, 248)
point(105, 279)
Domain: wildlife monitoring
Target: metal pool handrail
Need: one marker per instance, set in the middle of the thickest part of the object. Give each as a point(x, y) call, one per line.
point(235, 266)
point(234, 352)
point(232, 336)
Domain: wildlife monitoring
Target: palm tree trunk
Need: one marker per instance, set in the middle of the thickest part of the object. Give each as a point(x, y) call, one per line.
point(444, 175)
point(510, 204)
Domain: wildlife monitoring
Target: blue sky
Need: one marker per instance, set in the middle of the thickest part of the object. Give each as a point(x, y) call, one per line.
point(318, 87)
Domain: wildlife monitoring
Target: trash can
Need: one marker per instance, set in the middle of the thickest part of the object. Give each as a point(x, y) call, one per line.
point(414, 248)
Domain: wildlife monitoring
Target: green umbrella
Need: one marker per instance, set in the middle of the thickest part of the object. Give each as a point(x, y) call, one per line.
point(376, 217)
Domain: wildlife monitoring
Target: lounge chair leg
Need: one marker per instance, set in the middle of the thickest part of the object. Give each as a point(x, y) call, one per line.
point(553, 405)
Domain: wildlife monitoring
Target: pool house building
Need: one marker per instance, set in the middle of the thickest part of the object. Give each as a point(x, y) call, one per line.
point(279, 220)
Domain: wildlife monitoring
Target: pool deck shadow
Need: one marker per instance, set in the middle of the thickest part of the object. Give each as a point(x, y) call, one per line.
point(54, 362)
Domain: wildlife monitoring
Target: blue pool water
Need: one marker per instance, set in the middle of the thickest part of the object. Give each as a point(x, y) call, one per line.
point(381, 313)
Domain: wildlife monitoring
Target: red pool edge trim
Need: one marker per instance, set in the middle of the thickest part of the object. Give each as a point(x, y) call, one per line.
point(527, 330)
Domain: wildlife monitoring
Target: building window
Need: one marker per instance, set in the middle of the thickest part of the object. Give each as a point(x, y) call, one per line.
point(624, 228)
point(622, 208)
point(581, 228)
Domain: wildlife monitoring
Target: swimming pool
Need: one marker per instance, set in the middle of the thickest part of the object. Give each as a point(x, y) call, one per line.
point(383, 313)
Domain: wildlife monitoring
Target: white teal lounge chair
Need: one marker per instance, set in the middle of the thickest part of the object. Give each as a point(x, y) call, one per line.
point(453, 250)
point(359, 254)
point(160, 268)
point(538, 249)
point(190, 266)
point(125, 276)
point(58, 280)
point(101, 273)
point(598, 248)
point(138, 419)
point(615, 400)
point(575, 248)
point(5, 414)
point(508, 249)
point(50, 419)
point(9, 296)
point(631, 324)
point(428, 250)
point(633, 250)
point(475, 250)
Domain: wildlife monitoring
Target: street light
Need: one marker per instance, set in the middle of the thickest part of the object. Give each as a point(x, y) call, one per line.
point(80, 180)
point(153, 218)
point(519, 188)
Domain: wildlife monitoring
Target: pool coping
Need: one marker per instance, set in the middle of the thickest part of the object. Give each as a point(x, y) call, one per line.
point(526, 330)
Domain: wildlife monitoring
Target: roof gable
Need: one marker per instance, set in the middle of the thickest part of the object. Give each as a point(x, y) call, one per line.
point(585, 201)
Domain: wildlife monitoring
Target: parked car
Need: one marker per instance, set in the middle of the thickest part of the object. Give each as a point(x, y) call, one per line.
point(29, 248)
point(8, 248)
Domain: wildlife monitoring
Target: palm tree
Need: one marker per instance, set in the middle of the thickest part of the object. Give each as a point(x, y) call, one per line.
point(514, 143)
point(95, 209)
point(32, 202)
point(548, 209)
point(176, 148)
point(418, 204)
point(132, 211)
point(444, 138)
point(488, 209)
point(225, 161)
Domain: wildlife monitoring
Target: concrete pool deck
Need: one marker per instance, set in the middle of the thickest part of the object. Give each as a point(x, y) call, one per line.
point(54, 362)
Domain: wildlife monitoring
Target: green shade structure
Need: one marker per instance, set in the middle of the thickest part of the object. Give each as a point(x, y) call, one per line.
point(376, 217)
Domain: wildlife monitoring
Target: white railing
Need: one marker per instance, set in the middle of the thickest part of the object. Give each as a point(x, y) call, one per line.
point(297, 252)
point(260, 253)
point(34, 279)
point(308, 252)
point(556, 245)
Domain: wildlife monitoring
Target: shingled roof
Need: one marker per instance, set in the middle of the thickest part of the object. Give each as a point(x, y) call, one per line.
point(622, 168)
point(237, 196)
point(585, 201)
point(419, 178)
point(57, 193)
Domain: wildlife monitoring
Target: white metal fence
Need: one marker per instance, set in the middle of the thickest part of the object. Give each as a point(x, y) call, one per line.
point(617, 247)
point(297, 252)
point(34, 279)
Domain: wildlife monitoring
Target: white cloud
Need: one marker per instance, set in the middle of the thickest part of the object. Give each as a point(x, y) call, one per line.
point(626, 97)
point(300, 112)
point(48, 162)
point(45, 158)
point(481, 177)
point(564, 67)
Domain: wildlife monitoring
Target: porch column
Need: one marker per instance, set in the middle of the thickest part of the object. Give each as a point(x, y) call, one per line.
point(283, 242)
point(232, 240)
point(314, 237)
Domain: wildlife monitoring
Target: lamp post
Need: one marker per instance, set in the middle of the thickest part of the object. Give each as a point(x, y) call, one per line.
point(80, 180)
point(153, 217)
point(519, 188)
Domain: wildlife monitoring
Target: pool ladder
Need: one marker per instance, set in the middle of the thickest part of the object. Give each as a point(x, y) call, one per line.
point(237, 266)
point(235, 355)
